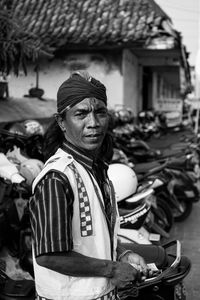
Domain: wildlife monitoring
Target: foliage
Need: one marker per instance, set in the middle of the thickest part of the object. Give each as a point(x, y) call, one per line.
point(17, 45)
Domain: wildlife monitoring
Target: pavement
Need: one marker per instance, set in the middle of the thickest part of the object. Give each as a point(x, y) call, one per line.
point(188, 233)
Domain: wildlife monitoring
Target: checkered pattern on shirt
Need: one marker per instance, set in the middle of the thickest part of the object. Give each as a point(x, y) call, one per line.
point(84, 205)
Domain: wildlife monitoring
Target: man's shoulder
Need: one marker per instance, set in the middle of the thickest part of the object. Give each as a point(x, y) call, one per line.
point(59, 161)
point(55, 164)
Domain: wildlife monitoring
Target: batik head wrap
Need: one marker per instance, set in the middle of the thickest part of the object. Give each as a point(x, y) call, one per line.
point(78, 87)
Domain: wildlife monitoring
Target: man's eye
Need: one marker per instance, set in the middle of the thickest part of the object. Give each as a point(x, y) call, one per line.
point(102, 111)
point(81, 114)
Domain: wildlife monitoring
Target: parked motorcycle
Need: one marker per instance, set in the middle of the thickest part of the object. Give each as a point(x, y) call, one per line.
point(20, 161)
point(152, 123)
point(21, 289)
point(137, 208)
point(132, 138)
point(14, 230)
point(128, 137)
point(180, 178)
point(166, 282)
point(168, 270)
point(29, 140)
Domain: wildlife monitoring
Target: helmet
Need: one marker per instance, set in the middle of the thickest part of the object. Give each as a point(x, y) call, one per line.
point(33, 127)
point(28, 128)
point(146, 116)
point(124, 180)
point(125, 115)
point(30, 168)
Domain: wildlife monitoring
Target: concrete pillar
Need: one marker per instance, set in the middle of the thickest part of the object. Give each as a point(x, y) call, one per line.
point(131, 81)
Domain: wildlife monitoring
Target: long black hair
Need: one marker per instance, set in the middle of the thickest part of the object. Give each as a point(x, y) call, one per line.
point(53, 138)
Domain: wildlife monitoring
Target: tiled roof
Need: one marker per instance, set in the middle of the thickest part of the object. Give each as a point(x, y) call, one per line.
point(91, 23)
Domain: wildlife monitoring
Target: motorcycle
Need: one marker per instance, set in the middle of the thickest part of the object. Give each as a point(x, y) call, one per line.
point(137, 208)
point(15, 194)
point(166, 280)
point(30, 142)
point(180, 178)
point(132, 138)
point(20, 162)
point(128, 137)
point(13, 289)
point(168, 270)
point(152, 123)
point(16, 276)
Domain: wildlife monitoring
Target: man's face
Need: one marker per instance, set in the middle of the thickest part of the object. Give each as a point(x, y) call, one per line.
point(86, 124)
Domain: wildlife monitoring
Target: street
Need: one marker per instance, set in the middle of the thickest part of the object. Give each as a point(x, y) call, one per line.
point(188, 233)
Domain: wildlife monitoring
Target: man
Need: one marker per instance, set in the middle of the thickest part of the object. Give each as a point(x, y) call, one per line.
point(74, 216)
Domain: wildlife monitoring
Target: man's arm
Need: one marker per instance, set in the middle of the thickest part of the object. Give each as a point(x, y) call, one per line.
point(74, 264)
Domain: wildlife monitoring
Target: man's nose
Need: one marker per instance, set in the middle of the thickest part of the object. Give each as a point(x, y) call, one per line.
point(93, 120)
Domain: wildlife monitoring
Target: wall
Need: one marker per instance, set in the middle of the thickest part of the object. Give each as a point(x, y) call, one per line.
point(52, 73)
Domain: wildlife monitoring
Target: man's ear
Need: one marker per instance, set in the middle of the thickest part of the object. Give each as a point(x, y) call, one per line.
point(60, 122)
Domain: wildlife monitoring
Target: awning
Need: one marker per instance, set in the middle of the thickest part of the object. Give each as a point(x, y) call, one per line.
point(19, 109)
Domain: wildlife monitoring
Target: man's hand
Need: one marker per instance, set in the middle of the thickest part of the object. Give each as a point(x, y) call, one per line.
point(137, 262)
point(123, 274)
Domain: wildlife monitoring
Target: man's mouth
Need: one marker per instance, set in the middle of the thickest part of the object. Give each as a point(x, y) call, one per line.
point(94, 135)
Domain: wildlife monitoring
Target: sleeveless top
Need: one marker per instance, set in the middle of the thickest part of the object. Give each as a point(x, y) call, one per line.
point(93, 234)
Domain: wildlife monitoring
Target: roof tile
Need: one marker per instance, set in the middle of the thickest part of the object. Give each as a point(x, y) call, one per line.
point(90, 22)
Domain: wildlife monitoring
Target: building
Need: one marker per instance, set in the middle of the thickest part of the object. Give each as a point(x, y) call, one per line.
point(130, 45)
